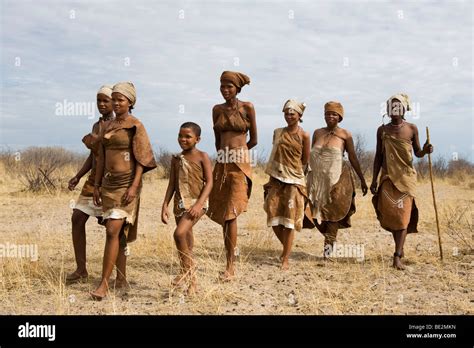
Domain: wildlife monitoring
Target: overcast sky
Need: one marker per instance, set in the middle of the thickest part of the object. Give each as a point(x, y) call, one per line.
point(357, 52)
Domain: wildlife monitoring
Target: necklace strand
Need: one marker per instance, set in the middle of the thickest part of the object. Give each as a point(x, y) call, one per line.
point(397, 126)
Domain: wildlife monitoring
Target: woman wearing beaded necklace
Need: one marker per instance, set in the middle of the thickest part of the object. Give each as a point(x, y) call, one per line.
point(394, 197)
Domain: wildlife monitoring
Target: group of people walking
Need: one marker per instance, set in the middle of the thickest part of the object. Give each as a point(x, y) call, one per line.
point(310, 184)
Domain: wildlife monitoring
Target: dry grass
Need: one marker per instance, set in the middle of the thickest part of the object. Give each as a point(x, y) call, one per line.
point(341, 287)
point(41, 169)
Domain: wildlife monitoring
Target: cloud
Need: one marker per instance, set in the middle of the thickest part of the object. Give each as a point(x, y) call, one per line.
point(357, 52)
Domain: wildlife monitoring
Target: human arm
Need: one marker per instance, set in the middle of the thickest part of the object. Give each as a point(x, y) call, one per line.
point(87, 165)
point(378, 158)
point(350, 148)
point(253, 139)
point(99, 173)
point(169, 193)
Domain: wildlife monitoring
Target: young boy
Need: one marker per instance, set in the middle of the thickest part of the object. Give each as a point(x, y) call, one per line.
point(190, 182)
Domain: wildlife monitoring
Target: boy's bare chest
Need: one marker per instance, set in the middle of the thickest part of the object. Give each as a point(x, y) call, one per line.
point(196, 158)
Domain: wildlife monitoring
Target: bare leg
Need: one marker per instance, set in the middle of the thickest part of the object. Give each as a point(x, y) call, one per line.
point(121, 263)
point(190, 236)
point(278, 230)
point(190, 240)
point(111, 250)
point(78, 221)
point(395, 240)
point(330, 237)
point(399, 237)
point(192, 288)
point(230, 242)
point(288, 235)
point(181, 238)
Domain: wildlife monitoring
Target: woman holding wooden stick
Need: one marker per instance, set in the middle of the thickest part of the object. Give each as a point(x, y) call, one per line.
point(394, 197)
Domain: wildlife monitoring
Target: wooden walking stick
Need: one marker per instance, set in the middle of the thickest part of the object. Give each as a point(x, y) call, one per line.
point(434, 197)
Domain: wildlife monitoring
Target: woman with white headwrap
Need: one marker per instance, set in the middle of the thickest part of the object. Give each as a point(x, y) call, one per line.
point(84, 206)
point(394, 197)
point(285, 192)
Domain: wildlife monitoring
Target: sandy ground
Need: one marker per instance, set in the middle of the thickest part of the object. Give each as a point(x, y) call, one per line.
point(311, 286)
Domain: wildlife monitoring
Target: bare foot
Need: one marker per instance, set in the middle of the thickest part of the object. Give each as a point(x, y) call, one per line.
point(285, 264)
point(76, 277)
point(226, 276)
point(397, 263)
point(328, 258)
point(120, 283)
point(99, 294)
point(192, 288)
point(180, 278)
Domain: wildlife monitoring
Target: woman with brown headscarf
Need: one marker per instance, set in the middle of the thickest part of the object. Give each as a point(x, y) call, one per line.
point(232, 174)
point(330, 182)
point(124, 155)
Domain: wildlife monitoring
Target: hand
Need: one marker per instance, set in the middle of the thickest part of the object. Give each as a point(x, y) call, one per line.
point(97, 199)
point(195, 211)
point(363, 186)
point(373, 187)
point(130, 194)
point(72, 183)
point(165, 216)
point(427, 148)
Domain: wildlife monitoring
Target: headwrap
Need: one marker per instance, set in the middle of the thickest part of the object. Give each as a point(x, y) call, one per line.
point(295, 105)
point(106, 89)
point(127, 89)
point(238, 79)
point(335, 107)
point(404, 99)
